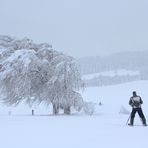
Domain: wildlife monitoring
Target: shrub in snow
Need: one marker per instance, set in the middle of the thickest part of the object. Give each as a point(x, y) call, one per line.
point(35, 73)
point(123, 110)
point(89, 108)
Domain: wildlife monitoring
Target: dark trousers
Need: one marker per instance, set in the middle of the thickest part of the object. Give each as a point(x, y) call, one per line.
point(140, 113)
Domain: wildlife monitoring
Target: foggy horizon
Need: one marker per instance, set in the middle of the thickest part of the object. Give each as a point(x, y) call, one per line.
point(80, 28)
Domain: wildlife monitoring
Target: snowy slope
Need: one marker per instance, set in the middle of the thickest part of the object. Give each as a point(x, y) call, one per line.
point(113, 97)
point(105, 129)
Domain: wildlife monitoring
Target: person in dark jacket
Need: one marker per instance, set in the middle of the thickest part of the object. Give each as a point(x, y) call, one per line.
point(135, 102)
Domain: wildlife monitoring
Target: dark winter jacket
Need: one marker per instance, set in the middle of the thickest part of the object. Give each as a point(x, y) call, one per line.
point(135, 101)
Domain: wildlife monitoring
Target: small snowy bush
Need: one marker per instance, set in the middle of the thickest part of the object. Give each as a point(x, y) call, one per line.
point(89, 108)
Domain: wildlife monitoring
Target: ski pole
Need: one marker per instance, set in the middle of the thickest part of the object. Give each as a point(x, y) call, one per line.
point(128, 119)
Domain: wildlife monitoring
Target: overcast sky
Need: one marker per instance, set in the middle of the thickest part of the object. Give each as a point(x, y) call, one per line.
point(78, 27)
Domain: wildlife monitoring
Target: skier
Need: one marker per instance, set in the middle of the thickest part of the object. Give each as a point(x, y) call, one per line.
point(136, 101)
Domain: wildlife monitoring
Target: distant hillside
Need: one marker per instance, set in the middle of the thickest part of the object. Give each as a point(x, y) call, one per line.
point(126, 60)
point(131, 61)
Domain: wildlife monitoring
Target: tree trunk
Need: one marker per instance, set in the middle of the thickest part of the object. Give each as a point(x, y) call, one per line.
point(55, 109)
point(67, 110)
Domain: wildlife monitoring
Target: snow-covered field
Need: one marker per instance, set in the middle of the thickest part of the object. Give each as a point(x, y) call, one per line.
point(106, 128)
point(122, 72)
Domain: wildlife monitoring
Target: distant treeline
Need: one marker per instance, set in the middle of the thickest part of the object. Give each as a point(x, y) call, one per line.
point(133, 61)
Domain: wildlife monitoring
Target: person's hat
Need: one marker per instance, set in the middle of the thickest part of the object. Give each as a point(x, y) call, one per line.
point(134, 92)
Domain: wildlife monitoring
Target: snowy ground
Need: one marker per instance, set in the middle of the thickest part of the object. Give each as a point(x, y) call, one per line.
point(104, 129)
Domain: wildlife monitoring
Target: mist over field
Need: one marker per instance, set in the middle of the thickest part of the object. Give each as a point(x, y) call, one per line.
point(68, 69)
point(79, 28)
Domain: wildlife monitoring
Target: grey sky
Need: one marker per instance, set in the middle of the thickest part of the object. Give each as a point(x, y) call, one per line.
point(79, 27)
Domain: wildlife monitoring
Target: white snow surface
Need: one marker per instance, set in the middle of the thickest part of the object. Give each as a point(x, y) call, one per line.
point(113, 73)
point(106, 128)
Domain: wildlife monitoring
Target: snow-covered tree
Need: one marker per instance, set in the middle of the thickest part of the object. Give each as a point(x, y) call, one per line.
point(35, 73)
point(64, 82)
